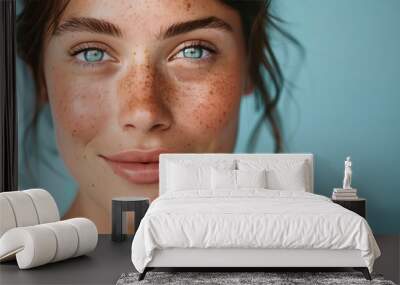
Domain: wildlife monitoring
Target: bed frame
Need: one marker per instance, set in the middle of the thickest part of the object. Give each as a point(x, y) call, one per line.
point(248, 259)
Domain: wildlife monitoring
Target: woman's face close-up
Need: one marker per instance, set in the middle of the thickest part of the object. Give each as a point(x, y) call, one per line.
point(130, 79)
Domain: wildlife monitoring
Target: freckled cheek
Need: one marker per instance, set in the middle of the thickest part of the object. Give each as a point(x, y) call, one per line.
point(215, 109)
point(78, 112)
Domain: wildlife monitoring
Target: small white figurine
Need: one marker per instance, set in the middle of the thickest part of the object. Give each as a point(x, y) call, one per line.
point(347, 174)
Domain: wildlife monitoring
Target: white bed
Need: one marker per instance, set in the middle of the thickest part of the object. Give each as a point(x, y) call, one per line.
point(248, 227)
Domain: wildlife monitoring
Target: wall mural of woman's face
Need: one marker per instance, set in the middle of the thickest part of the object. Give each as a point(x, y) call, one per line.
point(127, 80)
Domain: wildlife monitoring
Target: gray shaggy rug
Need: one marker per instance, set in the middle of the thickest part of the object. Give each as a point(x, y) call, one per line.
point(230, 278)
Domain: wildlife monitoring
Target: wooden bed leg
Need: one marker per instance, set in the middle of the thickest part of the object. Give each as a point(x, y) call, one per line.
point(364, 271)
point(142, 275)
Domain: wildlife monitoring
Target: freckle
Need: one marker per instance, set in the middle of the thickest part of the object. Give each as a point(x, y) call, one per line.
point(92, 185)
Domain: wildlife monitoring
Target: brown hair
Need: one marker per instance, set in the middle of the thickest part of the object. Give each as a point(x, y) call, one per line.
point(41, 16)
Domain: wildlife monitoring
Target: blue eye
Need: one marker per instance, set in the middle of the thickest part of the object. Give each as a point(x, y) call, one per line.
point(91, 55)
point(195, 52)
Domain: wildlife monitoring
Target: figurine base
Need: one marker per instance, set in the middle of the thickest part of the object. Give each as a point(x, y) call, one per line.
point(344, 189)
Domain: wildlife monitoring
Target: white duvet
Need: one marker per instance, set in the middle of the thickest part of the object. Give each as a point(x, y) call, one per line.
point(250, 218)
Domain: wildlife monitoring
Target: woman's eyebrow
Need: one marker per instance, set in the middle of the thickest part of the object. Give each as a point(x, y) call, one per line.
point(93, 25)
point(185, 27)
point(80, 24)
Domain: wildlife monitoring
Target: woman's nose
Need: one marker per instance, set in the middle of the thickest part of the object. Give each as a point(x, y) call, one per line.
point(142, 105)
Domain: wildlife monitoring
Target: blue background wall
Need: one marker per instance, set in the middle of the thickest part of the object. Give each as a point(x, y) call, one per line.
point(344, 101)
point(346, 98)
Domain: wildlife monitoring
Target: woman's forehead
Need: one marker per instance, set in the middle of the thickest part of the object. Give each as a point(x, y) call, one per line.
point(151, 17)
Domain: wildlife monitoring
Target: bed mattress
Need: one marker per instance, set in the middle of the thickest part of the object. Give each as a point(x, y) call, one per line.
point(251, 219)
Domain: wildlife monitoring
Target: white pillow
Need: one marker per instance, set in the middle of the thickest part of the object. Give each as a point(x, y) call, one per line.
point(229, 180)
point(282, 174)
point(181, 177)
point(291, 179)
point(193, 174)
point(223, 179)
point(251, 178)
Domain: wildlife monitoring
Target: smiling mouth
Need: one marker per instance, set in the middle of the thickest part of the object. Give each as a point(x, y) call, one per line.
point(136, 166)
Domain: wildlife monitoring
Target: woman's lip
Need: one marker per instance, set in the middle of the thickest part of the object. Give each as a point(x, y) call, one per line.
point(136, 166)
point(136, 155)
point(136, 172)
